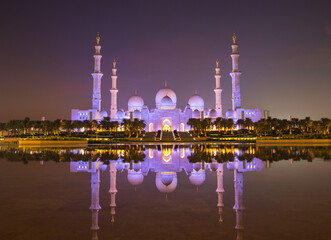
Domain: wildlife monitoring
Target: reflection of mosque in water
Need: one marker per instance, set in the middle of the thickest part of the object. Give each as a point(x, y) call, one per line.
point(166, 162)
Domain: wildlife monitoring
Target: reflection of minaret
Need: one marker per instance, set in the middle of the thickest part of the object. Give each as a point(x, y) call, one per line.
point(218, 91)
point(235, 75)
point(95, 206)
point(220, 190)
point(113, 92)
point(97, 75)
point(239, 204)
point(112, 190)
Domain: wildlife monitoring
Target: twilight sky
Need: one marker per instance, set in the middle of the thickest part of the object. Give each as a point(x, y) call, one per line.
point(47, 52)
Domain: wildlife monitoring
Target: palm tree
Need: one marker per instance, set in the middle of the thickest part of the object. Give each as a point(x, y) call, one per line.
point(326, 124)
point(114, 125)
point(241, 123)
point(26, 125)
point(2, 128)
point(248, 123)
point(105, 123)
point(87, 124)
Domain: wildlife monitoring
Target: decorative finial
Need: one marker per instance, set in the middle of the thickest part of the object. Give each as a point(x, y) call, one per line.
point(114, 63)
point(135, 92)
point(98, 38)
point(165, 83)
point(217, 62)
point(234, 38)
point(196, 91)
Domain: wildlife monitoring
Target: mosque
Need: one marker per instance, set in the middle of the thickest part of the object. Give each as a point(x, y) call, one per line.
point(166, 116)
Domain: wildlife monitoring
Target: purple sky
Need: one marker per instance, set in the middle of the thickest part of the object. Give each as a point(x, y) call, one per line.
point(47, 54)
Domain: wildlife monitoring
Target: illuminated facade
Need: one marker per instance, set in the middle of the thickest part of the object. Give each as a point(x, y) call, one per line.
point(166, 116)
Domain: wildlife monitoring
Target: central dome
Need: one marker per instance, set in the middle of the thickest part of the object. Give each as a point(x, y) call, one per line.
point(135, 103)
point(196, 102)
point(163, 93)
point(166, 103)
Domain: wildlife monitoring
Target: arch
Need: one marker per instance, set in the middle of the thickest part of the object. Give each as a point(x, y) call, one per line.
point(166, 125)
point(151, 127)
point(182, 127)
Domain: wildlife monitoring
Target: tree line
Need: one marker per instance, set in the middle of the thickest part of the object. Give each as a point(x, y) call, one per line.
point(58, 126)
point(263, 127)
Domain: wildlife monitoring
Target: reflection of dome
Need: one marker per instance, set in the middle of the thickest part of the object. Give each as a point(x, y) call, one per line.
point(166, 103)
point(214, 166)
point(119, 166)
point(135, 102)
point(196, 102)
point(167, 178)
point(213, 113)
point(197, 178)
point(120, 114)
point(135, 178)
point(197, 166)
point(136, 114)
point(163, 187)
point(165, 92)
point(196, 114)
point(136, 166)
point(102, 167)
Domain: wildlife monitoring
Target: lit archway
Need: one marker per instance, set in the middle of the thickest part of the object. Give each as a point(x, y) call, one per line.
point(151, 127)
point(166, 125)
point(182, 127)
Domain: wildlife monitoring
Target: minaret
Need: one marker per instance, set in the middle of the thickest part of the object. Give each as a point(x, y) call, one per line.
point(218, 91)
point(239, 203)
point(112, 190)
point(235, 75)
point(113, 92)
point(95, 206)
point(97, 75)
point(220, 191)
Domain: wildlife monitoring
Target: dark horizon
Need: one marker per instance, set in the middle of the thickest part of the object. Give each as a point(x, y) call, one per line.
point(47, 54)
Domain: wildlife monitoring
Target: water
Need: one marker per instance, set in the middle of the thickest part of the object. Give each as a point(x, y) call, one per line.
point(48, 193)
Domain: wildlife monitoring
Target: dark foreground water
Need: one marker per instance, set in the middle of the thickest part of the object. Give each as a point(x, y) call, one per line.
point(166, 192)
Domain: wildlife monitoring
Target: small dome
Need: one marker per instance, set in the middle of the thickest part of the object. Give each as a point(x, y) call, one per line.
point(135, 178)
point(213, 166)
point(136, 114)
point(102, 167)
point(197, 166)
point(229, 114)
point(213, 113)
point(163, 188)
point(135, 102)
point(165, 92)
point(120, 114)
point(197, 178)
point(119, 166)
point(136, 166)
point(103, 114)
point(196, 114)
point(166, 102)
point(196, 102)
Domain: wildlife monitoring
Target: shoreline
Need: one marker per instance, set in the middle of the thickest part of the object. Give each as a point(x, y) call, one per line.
point(88, 142)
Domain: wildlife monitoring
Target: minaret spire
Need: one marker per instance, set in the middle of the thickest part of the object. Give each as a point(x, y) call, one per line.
point(112, 190)
point(239, 203)
point(235, 75)
point(95, 206)
point(220, 191)
point(97, 75)
point(113, 92)
point(218, 91)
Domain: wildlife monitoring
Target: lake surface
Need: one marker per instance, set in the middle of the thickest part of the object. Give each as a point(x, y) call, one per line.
point(166, 192)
